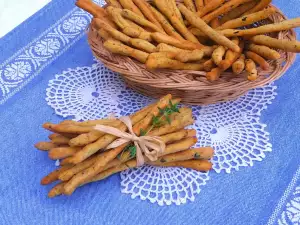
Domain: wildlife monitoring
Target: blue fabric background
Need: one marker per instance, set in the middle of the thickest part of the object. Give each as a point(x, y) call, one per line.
point(248, 196)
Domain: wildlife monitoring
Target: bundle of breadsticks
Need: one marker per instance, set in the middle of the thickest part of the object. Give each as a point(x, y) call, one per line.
point(89, 151)
point(201, 35)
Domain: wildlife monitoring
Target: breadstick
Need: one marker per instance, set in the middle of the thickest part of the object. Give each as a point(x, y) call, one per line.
point(258, 59)
point(135, 33)
point(95, 10)
point(214, 35)
point(115, 15)
point(199, 4)
point(218, 54)
point(239, 65)
point(56, 190)
point(119, 48)
point(238, 11)
point(91, 7)
point(89, 173)
point(115, 33)
point(117, 166)
point(175, 10)
point(140, 20)
point(196, 153)
point(223, 9)
point(190, 5)
point(177, 136)
point(284, 25)
point(166, 63)
point(45, 146)
point(248, 19)
point(67, 161)
point(66, 128)
point(190, 56)
point(145, 7)
point(104, 34)
point(163, 7)
point(129, 5)
point(215, 23)
point(165, 24)
point(259, 6)
point(208, 65)
point(145, 122)
point(199, 165)
point(162, 47)
point(60, 140)
point(163, 38)
point(142, 45)
point(62, 152)
point(113, 3)
point(92, 136)
point(214, 74)
point(54, 135)
point(251, 69)
point(210, 6)
point(230, 56)
point(289, 46)
point(90, 123)
point(169, 55)
point(264, 51)
point(178, 122)
point(69, 173)
point(53, 176)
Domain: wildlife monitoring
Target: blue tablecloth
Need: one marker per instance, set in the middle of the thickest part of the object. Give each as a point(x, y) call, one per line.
point(254, 195)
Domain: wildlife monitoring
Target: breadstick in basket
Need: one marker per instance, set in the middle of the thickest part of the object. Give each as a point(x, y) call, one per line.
point(210, 6)
point(166, 63)
point(258, 59)
point(214, 35)
point(164, 8)
point(218, 54)
point(239, 65)
point(119, 48)
point(190, 5)
point(230, 56)
point(113, 3)
point(140, 20)
point(251, 69)
point(249, 19)
point(238, 11)
point(264, 51)
point(284, 25)
point(223, 9)
point(129, 5)
point(261, 5)
point(286, 45)
point(166, 25)
point(163, 38)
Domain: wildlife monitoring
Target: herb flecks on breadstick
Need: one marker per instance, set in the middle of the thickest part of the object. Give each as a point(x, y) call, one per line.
point(214, 35)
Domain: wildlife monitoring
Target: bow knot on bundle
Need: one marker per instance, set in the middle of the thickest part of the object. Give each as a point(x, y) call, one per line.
point(150, 146)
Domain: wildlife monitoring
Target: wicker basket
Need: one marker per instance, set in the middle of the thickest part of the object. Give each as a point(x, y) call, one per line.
point(191, 86)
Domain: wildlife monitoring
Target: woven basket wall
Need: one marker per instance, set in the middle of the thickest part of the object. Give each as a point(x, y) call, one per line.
point(191, 86)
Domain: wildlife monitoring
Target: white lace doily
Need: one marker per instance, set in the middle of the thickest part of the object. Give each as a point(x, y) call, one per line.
point(233, 129)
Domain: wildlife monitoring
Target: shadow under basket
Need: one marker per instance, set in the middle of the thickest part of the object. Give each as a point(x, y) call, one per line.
point(192, 86)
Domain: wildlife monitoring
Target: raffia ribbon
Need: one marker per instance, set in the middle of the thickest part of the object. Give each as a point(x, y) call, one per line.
point(150, 146)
